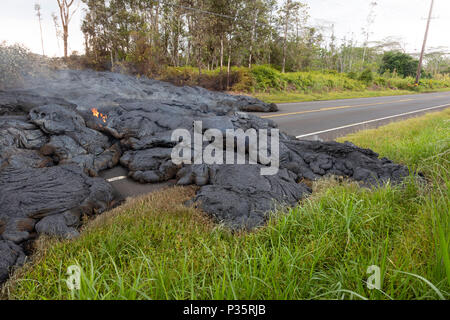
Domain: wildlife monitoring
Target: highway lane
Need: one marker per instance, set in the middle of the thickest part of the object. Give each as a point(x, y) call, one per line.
point(327, 120)
point(323, 120)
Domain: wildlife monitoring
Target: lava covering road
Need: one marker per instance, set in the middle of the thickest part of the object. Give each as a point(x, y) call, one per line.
point(57, 133)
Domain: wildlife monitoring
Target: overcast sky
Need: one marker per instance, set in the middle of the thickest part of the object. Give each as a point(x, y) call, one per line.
point(401, 19)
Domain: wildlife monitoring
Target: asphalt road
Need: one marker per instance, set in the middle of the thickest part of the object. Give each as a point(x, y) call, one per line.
point(325, 120)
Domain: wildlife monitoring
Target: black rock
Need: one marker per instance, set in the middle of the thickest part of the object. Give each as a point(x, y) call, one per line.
point(150, 165)
point(89, 88)
point(20, 102)
point(18, 132)
point(314, 159)
point(72, 142)
point(57, 225)
point(37, 193)
point(241, 198)
point(11, 255)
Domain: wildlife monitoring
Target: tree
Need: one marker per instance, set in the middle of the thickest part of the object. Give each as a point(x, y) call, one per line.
point(66, 16)
point(288, 13)
point(437, 61)
point(366, 31)
point(57, 30)
point(401, 63)
point(37, 8)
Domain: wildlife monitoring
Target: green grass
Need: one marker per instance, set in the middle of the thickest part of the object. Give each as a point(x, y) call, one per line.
point(155, 248)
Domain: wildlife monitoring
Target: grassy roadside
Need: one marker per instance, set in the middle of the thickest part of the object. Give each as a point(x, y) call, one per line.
point(270, 85)
point(287, 97)
point(153, 247)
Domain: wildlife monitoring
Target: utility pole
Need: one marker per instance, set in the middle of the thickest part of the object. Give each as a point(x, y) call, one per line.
point(419, 68)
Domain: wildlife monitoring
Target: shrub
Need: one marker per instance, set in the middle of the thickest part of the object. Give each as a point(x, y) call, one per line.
point(366, 76)
point(238, 80)
point(267, 78)
point(16, 62)
point(380, 81)
point(352, 75)
point(242, 80)
point(264, 78)
point(399, 62)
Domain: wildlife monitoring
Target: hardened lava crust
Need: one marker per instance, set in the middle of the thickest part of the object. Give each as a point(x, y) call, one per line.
point(59, 132)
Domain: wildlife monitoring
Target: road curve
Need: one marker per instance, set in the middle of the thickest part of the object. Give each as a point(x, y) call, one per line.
point(327, 120)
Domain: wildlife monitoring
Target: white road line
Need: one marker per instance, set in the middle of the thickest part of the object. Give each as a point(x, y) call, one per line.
point(116, 178)
point(369, 121)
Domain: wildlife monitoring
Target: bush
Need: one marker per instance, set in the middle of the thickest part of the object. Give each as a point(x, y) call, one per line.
point(366, 76)
point(264, 79)
point(16, 62)
point(238, 80)
point(352, 75)
point(380, 82)
point(267, 78)
point(399, 62)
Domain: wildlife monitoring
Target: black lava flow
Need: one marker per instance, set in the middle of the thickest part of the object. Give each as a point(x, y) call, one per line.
point(57, 133)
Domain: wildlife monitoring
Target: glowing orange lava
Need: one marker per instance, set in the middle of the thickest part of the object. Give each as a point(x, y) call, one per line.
point(99, 115)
